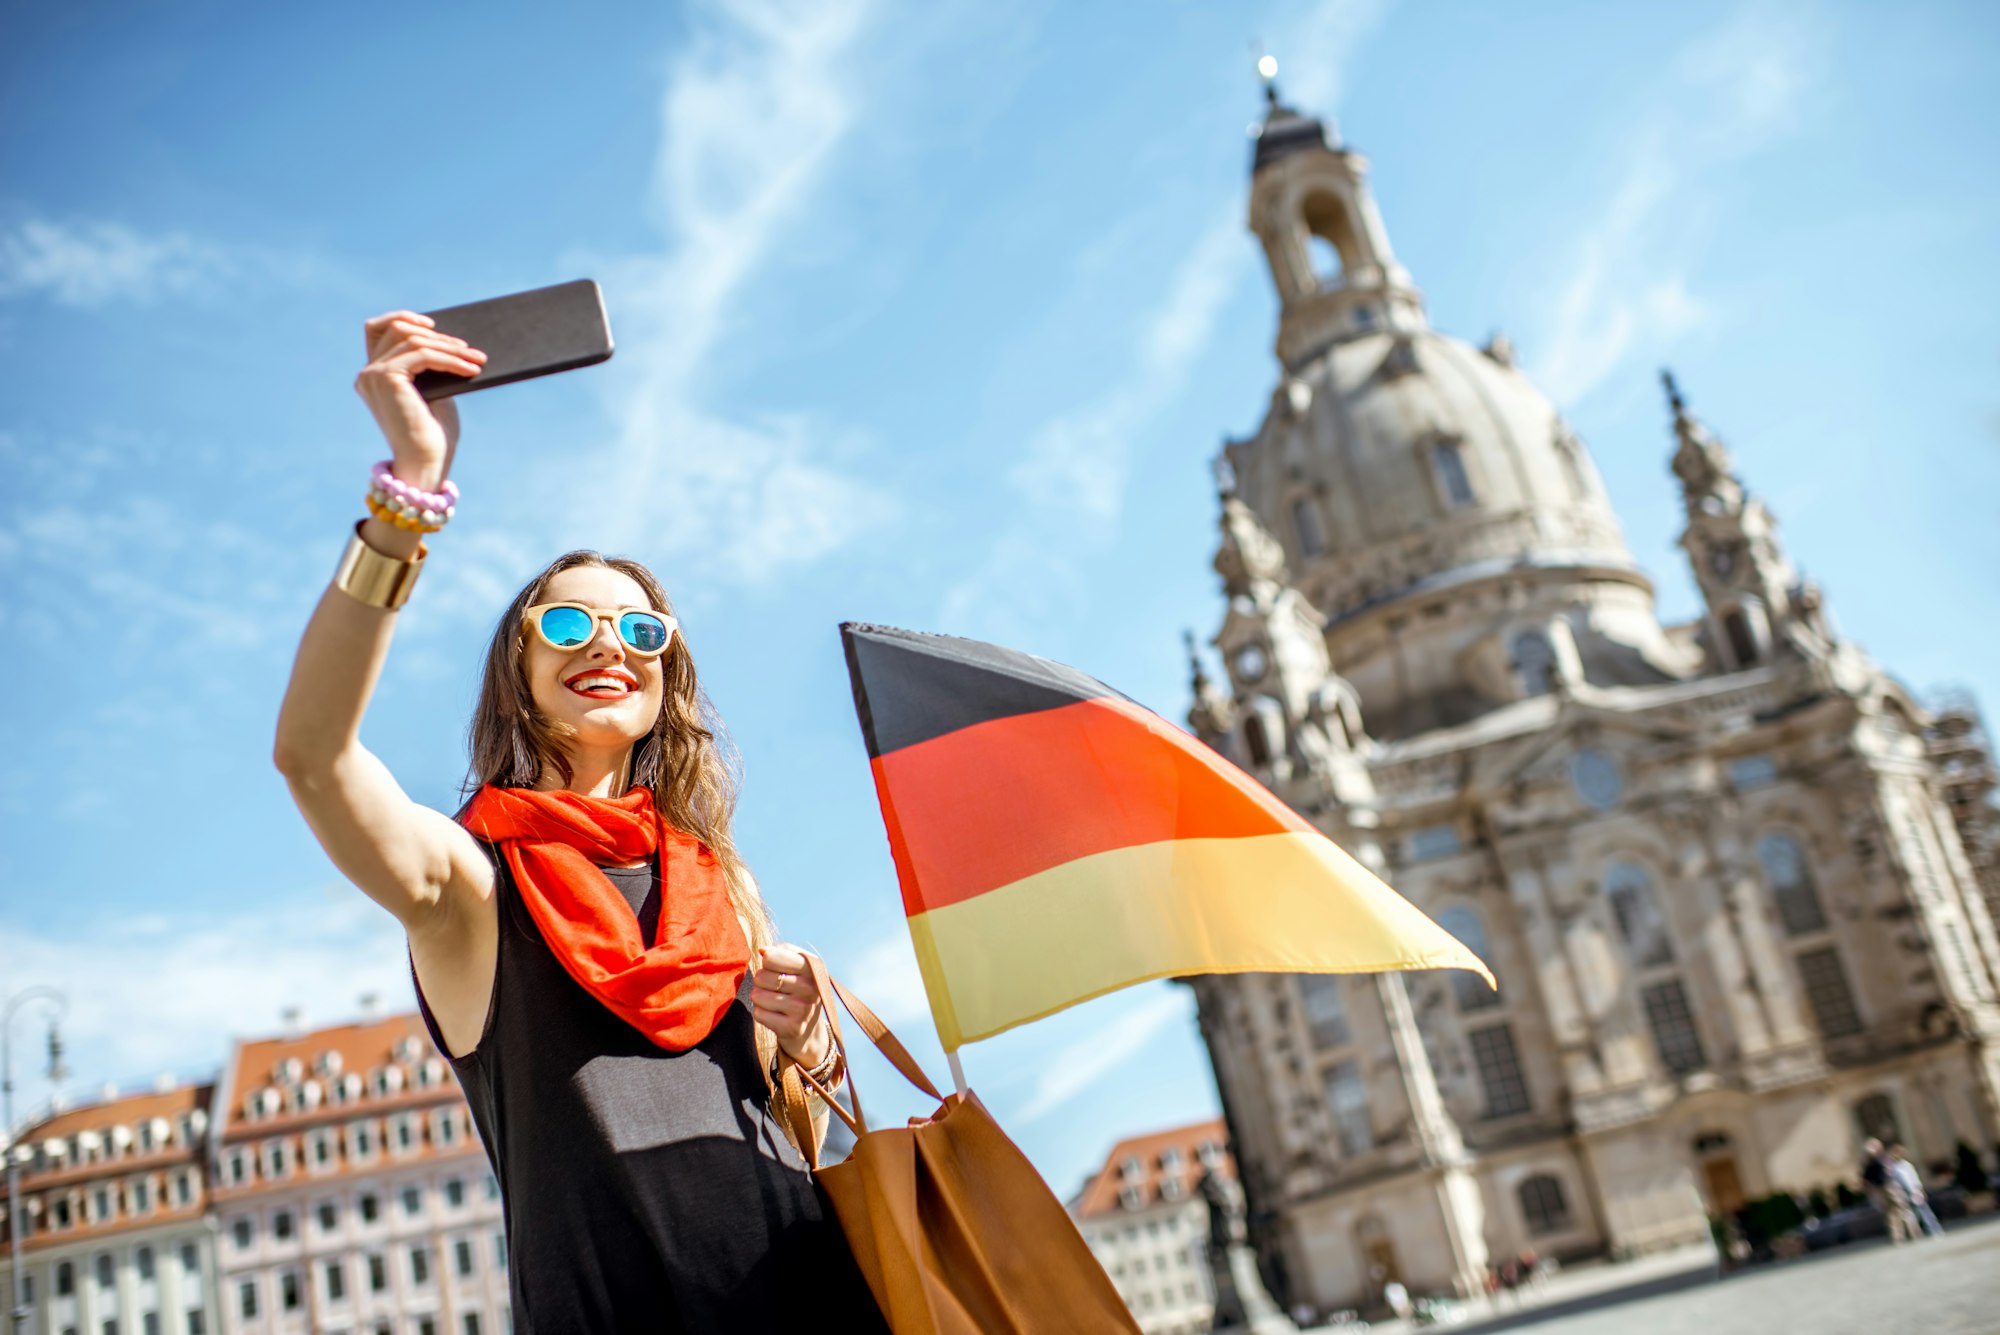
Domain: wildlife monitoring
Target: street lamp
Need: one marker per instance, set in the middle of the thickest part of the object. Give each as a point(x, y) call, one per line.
point(54, 1000)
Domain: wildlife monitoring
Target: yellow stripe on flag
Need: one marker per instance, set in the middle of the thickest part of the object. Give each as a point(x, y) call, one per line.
point(1281, 903)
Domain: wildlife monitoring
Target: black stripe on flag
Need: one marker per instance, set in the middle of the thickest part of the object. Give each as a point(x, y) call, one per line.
point(910, 686)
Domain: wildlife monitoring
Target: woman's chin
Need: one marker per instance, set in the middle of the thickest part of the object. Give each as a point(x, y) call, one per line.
point(607, 729)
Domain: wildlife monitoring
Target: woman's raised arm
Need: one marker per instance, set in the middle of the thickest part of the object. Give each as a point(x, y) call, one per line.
point(404, 855)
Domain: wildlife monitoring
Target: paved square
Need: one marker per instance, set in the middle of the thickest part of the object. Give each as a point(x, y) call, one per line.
point(1939, 1286)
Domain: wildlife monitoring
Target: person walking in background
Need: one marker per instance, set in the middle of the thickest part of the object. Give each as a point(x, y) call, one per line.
point(588, 949)
point(1904, 1175)
point(1885, 1193)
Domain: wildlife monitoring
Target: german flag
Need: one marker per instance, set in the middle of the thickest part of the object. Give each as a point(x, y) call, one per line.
point(1056, 841)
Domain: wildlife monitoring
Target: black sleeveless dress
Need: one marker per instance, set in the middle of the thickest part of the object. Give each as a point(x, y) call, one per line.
point(644, 1190)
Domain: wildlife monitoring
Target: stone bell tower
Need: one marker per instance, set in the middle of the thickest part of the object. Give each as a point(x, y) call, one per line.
point(1758, 607)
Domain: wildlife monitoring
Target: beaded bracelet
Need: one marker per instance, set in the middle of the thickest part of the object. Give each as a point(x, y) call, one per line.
point(394, 501)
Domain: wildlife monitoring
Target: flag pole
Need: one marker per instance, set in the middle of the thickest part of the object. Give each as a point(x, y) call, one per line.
point(957, 1071)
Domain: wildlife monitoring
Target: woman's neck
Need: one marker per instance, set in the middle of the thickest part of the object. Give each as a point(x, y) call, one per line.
point(606, 775)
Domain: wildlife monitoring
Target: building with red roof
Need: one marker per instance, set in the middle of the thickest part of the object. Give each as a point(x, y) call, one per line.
point(1142, 1215)
point(351, 1190)
point(114, 1229)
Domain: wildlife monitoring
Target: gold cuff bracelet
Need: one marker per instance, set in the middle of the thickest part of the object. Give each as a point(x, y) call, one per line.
point(374, 578)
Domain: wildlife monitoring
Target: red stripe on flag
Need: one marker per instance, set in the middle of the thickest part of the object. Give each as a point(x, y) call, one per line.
point(988, 805)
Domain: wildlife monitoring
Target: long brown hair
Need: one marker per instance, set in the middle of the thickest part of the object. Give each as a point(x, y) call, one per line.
point(686, 759)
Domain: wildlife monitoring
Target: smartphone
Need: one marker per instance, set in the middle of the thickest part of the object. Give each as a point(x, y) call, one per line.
point(524, 335)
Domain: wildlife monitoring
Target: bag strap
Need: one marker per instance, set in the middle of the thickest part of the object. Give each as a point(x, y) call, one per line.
point(794, 1110)
point(878, 1034)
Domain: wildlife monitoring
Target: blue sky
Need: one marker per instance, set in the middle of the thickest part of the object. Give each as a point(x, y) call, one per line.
point(928, 315)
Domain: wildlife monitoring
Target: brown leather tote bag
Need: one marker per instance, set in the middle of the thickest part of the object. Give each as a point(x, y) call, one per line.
point(953, 1228)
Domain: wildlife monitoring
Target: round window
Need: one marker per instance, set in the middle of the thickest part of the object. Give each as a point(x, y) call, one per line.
point(1250, 662)
point(1596, 777)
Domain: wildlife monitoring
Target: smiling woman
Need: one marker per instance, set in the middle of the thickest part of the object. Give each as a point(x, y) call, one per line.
point(587, 946)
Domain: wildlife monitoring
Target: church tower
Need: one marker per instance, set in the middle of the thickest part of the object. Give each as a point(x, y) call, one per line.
point(1758, 606)
point(1713, 866)
point(1432, 505)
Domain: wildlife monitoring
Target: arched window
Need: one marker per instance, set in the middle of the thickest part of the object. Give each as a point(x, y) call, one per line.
point(1742, 640)
point(1256, 740)
point(1305, 522)
point(1452, 480)
point(1329, 237)
point(1326, 1014)
point(1570, 450)
point(1542, 1204)
point(1640, 922)
point(1876, 1116)
point(1471, 990)
point(1790, 879)
point(1325, 260)
point(1534, 662)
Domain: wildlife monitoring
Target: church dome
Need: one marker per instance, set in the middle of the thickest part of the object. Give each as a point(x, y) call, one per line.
point(1430, 502)
point(1398, 458)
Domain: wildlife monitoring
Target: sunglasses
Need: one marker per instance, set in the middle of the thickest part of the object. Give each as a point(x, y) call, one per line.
point(567, 627)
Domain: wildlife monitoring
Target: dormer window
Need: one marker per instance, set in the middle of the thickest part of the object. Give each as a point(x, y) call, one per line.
point(444, 1127)
point(1742, 637)
point(406, 1049)
point(1534, 662)
point(1305, 523)
point(1449, 465)
point(291, 1070)
point(328, 1063)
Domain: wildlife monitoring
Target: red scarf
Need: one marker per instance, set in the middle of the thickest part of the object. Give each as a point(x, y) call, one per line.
point(677, 989)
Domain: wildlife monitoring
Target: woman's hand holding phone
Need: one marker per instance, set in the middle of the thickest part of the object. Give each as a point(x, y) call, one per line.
point(421, 434)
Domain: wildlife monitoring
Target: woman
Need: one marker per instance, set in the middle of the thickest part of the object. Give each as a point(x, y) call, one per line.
point(588, 949)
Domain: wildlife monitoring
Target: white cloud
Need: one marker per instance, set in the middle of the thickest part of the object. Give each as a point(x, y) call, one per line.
point(1078, 462)
point(755, 111)
point(1727, 96)
point(97, 263)
point(165, 993)
point(1074, 472)
point(1083, 1063)
point(1314, 45)
point(885, 975)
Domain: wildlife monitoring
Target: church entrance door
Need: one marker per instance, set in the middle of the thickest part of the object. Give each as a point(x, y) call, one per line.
point(1725, 1187)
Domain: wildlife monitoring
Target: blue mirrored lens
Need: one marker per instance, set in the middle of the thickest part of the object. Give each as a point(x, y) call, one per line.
point(643, 631)
point(567, 627)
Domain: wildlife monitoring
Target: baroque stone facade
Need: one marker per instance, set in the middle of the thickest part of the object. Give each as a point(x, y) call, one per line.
point(1715, 866)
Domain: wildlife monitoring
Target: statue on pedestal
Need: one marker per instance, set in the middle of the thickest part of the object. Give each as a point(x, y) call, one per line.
point(1242, 1307)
